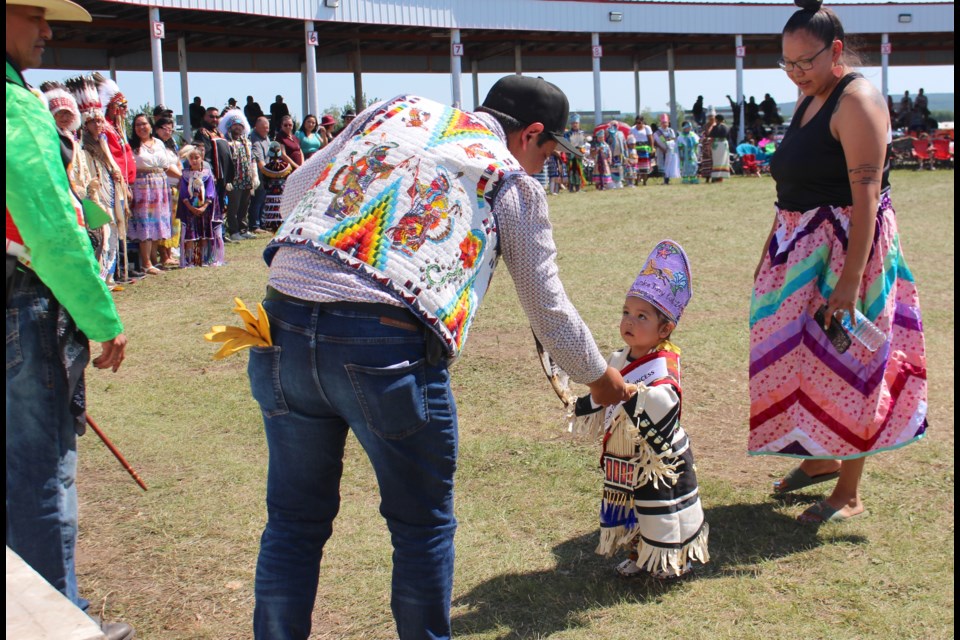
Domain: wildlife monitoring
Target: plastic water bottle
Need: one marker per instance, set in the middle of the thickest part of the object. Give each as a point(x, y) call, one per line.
point(865, 332)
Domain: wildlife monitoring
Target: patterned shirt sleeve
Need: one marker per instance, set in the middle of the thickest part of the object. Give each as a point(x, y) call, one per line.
point(528, 249)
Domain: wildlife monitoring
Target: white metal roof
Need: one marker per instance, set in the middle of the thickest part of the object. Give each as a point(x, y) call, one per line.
point(578, 15)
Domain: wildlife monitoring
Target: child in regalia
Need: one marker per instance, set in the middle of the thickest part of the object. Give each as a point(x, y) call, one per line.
point(651, 504)
point(198, 209)
point(275, 173)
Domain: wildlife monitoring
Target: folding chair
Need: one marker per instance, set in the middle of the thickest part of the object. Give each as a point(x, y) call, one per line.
point(942, 155)
point(921, 151)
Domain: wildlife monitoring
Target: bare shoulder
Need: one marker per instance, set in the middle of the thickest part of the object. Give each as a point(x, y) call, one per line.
point(860, 96)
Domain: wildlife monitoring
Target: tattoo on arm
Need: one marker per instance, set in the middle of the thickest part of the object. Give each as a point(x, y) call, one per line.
point(864, 174)
point(878, 100)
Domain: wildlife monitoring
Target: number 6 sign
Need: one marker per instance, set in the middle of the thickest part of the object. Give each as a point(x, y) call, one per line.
point(158, 30)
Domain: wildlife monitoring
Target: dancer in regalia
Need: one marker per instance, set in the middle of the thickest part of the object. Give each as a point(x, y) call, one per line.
point(651, 501)
point(198, 208)
point(275, 174)
point(687, 145)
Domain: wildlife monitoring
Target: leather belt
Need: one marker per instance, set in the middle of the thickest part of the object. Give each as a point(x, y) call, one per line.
point(399, 314)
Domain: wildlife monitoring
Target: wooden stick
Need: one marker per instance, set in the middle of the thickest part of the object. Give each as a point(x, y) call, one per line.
point(115, 452)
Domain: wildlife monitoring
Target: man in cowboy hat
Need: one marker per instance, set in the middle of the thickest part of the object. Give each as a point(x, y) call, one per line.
point(387, 320)
point(50, 267)
point(347, 117)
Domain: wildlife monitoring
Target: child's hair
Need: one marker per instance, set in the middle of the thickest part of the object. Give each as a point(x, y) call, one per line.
point(662, 317)
point(188, 150)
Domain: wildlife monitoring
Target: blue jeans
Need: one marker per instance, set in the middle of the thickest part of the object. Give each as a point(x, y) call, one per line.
point(41, 443)
point(330, 371)
point(256, 207)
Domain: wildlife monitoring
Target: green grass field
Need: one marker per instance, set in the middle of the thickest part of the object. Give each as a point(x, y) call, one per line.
point(178, 561)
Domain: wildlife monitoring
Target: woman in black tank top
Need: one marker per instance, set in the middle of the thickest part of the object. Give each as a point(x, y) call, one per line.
point(832, 244)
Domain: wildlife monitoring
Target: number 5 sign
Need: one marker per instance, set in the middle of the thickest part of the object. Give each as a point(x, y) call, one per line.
point(158, 30)
point(457, 49)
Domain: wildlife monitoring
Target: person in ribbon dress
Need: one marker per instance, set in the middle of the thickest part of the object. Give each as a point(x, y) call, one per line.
point(651, 500)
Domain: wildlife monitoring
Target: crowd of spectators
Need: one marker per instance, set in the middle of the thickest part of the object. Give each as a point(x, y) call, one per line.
point(169, 210)
point(175, 203)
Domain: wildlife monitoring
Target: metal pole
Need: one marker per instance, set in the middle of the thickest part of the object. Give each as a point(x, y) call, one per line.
point(739, 59)
point(597, 103)
point(357, 81)
point(112, 62)
point(311, 53)
point(456, 52)
point(156, 58)
point(184, 89)
point(517, 59)
point(885, 64)
point(303, 91)
point(636, 85)
point(672, 81)
point(475, 70)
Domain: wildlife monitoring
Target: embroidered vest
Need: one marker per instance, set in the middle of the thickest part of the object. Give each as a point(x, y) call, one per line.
point(407, 202)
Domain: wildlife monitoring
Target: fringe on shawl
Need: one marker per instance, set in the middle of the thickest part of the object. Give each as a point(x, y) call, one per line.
point(588, 427)
point(592, 426)
point(662, 560)
point(674, 561)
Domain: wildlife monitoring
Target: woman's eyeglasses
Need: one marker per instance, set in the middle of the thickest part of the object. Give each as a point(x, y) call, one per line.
point(803, 65)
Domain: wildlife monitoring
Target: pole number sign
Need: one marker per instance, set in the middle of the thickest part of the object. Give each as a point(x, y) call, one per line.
point(886, 48)
point(457, 49)
point(312, 39)
point(158, 30)
point(741, 52)
point(597, 51)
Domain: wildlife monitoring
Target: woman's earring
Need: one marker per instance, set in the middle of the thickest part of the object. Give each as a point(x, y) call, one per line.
point(837, 71)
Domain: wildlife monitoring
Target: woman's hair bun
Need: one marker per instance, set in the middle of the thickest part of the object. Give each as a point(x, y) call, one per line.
point(809, 5)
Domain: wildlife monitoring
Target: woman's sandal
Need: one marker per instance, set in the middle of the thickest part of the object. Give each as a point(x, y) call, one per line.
point(152, 271)
point(822, 513)
point(799, 479)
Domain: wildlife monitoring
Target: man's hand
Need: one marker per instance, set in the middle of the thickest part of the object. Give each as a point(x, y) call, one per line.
point(112, 353)
point(610, 388)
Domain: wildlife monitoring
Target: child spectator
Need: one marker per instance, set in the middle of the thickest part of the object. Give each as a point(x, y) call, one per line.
point(651, 503)
point(600, 153)
point(630, 163)
point(553, 172)
point(198, 208)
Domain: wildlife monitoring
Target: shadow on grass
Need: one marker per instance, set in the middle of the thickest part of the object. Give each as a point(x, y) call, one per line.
point(539, 603)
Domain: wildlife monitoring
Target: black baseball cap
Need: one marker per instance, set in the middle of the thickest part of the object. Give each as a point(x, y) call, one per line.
point(530, 100)
point(159, 110)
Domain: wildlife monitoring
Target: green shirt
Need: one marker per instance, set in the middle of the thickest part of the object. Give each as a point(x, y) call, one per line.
point(38, 200)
